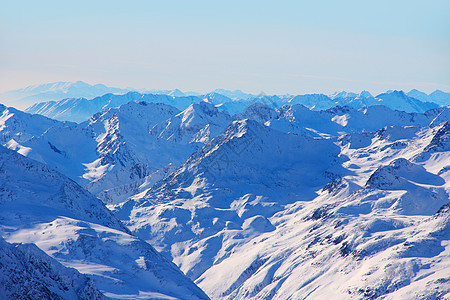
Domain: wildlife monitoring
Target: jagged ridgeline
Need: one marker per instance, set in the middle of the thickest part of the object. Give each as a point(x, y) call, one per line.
point(78, 101)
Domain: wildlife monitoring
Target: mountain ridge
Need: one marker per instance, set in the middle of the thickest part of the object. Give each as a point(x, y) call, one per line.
point(80, 109)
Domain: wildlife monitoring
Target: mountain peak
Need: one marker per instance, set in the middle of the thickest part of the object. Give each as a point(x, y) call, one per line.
point(198, 123)
point(202, 109)
point(176, 93)
point(342, 94)
point(397, 92)
point(365, 94)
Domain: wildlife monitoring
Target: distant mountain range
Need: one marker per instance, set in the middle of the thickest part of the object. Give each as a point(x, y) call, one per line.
point(80, 109)
point(55, 91)
point(77, 101)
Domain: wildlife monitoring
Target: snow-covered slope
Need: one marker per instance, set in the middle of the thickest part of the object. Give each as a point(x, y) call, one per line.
point(26, 272)
point(398, 100)
point(17, 126)
point(324, 249)
point(339, 120)
point(114, 148)
point(113, 140)
point(41, 206)
point(146, 153)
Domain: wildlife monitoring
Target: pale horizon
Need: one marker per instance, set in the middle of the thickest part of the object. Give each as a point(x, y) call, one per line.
point(147, 90)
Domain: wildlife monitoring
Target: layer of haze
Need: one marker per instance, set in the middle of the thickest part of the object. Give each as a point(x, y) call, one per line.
point(270, 46)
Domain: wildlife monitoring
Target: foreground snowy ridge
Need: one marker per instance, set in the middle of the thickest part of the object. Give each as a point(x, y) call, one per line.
point(41, 206)
point(26, 272)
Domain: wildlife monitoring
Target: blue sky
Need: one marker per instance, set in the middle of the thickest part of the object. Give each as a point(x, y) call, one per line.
point(270, 46)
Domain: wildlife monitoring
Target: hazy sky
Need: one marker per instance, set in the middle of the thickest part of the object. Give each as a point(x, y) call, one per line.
point(270, 46)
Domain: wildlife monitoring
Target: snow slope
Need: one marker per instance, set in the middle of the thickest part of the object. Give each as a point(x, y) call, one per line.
point(116, 147)
point(339, 120)
point(17, 126)
point(41, 206)
point(112, 146)
point(26, 272)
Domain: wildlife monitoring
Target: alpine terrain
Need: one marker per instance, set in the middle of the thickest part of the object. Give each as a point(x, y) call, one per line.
point(226, 195)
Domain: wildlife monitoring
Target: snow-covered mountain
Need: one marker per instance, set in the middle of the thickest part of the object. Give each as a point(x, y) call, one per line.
point(26, 272)
point(339, 120)
point(396, 100)
point(343, 94)
point(159, 149)
point(198, 123)
point(235, 95)
point(117, 147)
point(81, 109)
point(259, 112)
point(313, 101)
point(216, 98)
point(439, 97)
point(17, 126)
point(363, 99)
point(41, 206)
